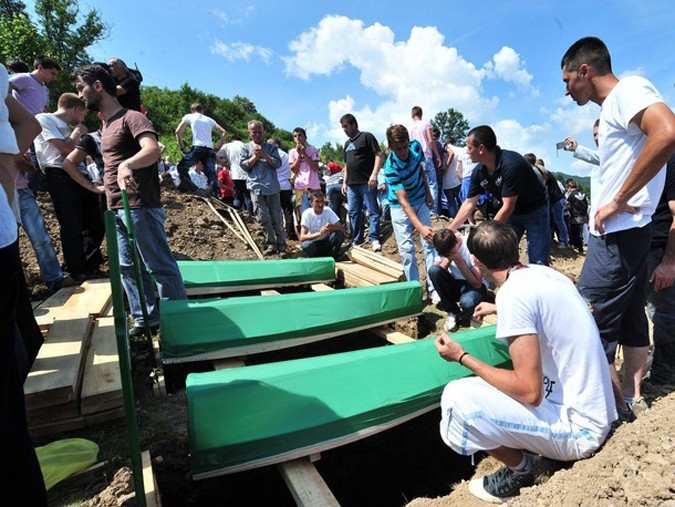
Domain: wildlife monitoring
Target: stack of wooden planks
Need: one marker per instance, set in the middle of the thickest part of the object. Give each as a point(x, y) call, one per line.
point(366, 267)
point(75, 380)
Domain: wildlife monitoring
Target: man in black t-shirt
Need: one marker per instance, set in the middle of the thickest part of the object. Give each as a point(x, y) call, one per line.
point(363, 160)
point(509, 178)
point(661, 287)
point(128, 85)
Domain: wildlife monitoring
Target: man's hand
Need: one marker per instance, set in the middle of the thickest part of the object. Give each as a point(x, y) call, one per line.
point(448, 348)
point(663, 276)
point(483, 309)
point(344, 189)
point(570, 144)
point(125, 178)
point(79, 131)
point(372, 182)
point(609, 210)
point(427, 233)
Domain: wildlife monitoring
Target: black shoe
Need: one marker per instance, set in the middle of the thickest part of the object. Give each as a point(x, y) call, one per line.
point(137, 332)
point(501, 485)
point(187, 186)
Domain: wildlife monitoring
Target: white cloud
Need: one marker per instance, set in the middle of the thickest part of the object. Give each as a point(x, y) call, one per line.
point(235, 15)
point(421, 70)
point(241, 51)
point(507, 65)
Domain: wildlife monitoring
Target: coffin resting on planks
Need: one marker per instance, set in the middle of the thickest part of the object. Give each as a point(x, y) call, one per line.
point(208, 329)
point(249, 417)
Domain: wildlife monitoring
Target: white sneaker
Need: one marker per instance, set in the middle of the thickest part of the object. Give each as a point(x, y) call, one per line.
point(377, 247)
point(451, 324)
point(435, 298)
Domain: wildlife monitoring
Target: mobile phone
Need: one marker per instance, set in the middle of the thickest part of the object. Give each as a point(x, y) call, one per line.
point(560, 145)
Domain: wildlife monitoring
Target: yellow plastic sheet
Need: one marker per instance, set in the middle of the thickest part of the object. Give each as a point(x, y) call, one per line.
point(63, 458)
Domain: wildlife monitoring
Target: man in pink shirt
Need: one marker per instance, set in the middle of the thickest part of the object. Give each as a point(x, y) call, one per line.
point(304, 161)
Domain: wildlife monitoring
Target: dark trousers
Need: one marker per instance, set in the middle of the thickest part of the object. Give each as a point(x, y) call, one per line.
point(205, 155)
point(23, 473)
point(80, 222)
point(242, 196)
point(286, 198)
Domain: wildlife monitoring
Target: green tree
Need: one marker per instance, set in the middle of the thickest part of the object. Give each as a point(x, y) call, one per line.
point(58, 30)
point(332, 152)
point(451, 123)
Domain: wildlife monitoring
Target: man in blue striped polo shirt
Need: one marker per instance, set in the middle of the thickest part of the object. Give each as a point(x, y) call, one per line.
point(409, 200)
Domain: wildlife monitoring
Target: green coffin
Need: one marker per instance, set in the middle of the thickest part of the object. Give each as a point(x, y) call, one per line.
point(195, 330)
point(210, 277)
point(254, 416)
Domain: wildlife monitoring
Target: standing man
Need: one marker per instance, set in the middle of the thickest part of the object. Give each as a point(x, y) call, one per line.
point(661, 288)
point(261, 160)
point(130, 154)
point(420, 130)
point(582, 152)
point(127, 84)
point(286, 191)
point(304, 161)
point(363, 160)
point(409, 201)
point(202, 148)
point(509, 178)
point(31, 89)
point(231, 153)
point(636, 136)
point(80, 235)
point(452, 175)
point(556, 401)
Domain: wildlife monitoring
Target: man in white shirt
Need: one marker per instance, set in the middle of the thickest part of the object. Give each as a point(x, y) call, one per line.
point(557, 399)
point(321, 232)
point(202, 148)
point(231, 153)
point(636, 136)
point(78, 215)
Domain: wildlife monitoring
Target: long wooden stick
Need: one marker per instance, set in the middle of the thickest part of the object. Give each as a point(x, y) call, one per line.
point(236, 218)
point(234, 231)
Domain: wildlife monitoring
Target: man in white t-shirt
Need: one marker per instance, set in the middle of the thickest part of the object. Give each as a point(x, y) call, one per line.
point(231, 153)
point(421, 131)
point(636, 136)
point(202, 148)
point(457, 280)
point(556, 401)
point(321, 232)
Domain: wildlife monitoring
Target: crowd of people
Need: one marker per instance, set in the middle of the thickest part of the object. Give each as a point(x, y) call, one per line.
point(563, 393)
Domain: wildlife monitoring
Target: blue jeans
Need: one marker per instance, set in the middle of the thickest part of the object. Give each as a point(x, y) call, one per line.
point(559, 220)
point(452, 195)
point(359, 198)
point(430, 173)
point(452, 291)
point(205, 155)
point(34, 226)
point(336, 200)
point(156, 260)
point(537, 225)
point(403, 230)
point(464, 189)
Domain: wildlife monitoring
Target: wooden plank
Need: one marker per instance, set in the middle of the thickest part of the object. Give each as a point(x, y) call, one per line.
point(152, 498)
point(91, 298)
point(320, 287)
point(76, 423)
point(226, 364)
point(44, 314)
point(306, 484)
point(365, 273)
point(392, 336)
point(374, 262)
point(376, 257)
point(102, 382)
point(349, 280)
point(56, 376)
point(269, 292)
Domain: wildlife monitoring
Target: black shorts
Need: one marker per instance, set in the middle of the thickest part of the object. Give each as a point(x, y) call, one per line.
point(613, 280)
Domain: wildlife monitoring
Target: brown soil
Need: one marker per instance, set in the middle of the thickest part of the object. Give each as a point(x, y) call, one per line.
point(408, 465)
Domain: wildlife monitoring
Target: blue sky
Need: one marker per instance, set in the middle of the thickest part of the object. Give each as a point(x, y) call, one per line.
point(307, 63)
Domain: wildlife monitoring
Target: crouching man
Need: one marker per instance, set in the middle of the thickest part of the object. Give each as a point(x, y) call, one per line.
point(321, 232)
point(556, 402)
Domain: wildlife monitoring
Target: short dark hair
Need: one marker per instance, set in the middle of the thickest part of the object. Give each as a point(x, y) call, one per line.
point(349, 118)
point(315, 194)
point(494, 244)
point(397, 134)
point(436, 132)
point(451, 140)
point(17, 66)
point(46, 62)
point(530, 157)
point(416, 111)
point(92, 73)
point(444, 241)
point(589, 50)
point(571, 183)
point(483, 134)
point(300, 130)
